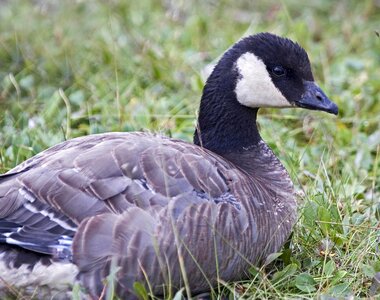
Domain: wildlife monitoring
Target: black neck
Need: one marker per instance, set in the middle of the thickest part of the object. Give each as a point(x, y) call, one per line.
point(224, 125)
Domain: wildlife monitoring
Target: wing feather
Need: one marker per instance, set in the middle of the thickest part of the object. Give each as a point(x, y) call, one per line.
point(130, 197)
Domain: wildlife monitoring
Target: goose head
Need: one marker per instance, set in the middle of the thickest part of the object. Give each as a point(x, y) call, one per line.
point(262, 70)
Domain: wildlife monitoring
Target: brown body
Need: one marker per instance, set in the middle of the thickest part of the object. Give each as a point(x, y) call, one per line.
point(144, 201)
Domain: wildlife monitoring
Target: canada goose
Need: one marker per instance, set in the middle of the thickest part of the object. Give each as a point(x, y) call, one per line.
point(160, 211)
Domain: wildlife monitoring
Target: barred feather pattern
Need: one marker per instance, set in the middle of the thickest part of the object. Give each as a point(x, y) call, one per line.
point(159, 211)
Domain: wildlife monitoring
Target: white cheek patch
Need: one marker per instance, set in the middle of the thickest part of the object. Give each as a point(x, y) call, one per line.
point(255, 87)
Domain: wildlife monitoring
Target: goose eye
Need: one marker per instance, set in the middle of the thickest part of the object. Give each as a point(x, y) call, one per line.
point(278, 71)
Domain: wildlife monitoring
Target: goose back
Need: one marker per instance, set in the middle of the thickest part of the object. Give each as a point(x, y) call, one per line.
point(124, 199)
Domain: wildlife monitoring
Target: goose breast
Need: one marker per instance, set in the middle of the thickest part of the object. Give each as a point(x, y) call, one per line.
point(126, 199)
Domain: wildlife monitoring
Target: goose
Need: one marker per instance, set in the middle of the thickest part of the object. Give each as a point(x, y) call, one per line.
point(162, 212)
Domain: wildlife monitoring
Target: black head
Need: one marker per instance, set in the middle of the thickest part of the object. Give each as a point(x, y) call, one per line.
point(271, 71)
point(261, 70)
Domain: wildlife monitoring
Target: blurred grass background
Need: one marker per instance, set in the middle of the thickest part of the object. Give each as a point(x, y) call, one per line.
point(71, 68)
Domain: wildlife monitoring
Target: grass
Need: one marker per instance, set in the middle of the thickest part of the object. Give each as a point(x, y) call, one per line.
point(80, 67)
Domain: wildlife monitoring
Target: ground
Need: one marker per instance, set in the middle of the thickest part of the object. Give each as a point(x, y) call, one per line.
point(71, 68)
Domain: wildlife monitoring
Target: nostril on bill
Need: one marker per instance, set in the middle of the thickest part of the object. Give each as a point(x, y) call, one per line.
point(319, 96)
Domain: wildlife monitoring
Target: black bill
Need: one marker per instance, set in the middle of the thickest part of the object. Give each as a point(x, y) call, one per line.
point(314, 98)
